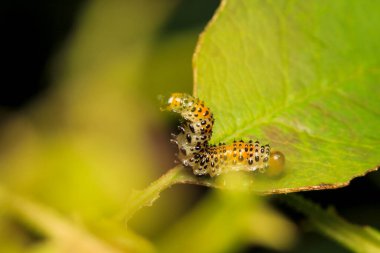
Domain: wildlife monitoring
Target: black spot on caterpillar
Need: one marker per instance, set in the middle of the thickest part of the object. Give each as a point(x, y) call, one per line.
point(195, 151)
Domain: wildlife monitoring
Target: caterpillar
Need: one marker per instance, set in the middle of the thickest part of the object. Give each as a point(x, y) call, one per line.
point(195, 133)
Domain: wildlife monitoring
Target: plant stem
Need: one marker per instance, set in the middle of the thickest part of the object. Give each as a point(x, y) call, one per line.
point(146, 197)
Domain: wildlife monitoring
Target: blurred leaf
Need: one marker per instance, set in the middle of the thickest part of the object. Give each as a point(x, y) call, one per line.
point(73, 149)
point(108, 38)
point(226, 222)
point(220, 223)
point(168, 68)
point(356, 238)
point(64, 234)
point(83, 146)
point(300, 75)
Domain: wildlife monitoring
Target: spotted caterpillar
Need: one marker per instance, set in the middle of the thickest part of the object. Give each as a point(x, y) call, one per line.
point(195, 151)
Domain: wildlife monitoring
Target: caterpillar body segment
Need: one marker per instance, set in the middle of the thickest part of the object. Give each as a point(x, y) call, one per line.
point(195, 151)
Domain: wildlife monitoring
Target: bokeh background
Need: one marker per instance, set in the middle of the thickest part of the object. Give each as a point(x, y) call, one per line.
point(80, 119)
point(80, 125)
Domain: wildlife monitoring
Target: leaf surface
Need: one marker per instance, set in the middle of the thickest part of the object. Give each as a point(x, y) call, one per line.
point(301, 75)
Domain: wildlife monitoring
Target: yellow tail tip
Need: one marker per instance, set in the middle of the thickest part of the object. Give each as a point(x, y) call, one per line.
point(276, 163)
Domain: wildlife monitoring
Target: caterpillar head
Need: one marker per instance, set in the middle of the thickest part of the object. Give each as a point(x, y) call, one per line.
point(176, 102)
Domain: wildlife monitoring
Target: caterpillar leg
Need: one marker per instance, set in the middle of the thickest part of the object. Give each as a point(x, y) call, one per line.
point(194, 150)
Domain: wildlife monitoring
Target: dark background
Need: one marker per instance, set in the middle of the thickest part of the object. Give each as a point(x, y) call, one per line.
point(32, 31)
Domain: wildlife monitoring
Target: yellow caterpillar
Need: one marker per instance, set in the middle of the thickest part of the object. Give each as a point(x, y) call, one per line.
point(195, 151)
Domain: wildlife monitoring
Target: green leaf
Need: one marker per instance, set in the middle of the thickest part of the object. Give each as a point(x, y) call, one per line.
point(356, 238)
point(301, 75)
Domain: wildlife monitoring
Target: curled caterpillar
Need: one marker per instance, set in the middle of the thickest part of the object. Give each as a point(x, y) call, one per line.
point(195, 151)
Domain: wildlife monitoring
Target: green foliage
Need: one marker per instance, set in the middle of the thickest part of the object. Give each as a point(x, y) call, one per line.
point(71, 150)
point(300, 75)
point(226, 222)
point(296, 74)
point(356, 238)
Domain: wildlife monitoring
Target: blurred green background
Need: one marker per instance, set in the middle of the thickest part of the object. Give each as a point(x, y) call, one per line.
point(81, 128)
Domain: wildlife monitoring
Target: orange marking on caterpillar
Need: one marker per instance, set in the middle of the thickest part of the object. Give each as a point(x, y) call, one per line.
point(195, 152)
